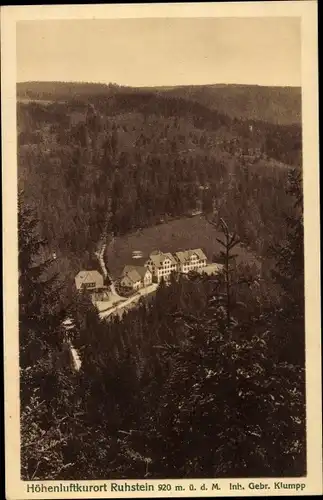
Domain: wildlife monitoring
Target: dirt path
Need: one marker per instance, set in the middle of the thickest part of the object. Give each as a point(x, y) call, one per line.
point(131, 301)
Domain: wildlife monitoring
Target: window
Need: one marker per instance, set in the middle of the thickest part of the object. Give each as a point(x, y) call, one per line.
point(89, 285)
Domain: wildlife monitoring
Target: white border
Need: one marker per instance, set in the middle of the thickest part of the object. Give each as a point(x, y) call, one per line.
point(307, 11)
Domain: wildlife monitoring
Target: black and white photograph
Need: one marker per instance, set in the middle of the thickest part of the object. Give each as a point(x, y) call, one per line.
point(160, 236)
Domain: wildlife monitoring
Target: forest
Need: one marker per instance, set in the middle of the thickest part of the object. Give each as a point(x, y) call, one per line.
point(206, 379)
point(136, 158)
point(279, 105)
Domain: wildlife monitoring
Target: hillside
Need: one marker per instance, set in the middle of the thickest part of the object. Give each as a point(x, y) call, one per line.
point(278, 105)
point(208, 359)
point(125, 163)
point(176, 235)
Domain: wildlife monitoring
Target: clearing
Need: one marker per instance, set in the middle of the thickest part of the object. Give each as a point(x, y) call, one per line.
point(180, 234)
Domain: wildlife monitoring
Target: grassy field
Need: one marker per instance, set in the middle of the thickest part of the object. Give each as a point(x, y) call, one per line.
point(180, 234)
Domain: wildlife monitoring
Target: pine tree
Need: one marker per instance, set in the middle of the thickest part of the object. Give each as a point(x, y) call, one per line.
point(228, 408)
point(40, 312)
point(290, 253)
point(231, 240)
point(289, 274)
point(46, 382)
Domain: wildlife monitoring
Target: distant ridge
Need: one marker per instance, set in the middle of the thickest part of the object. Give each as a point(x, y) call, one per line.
point(279, 105)
point(153, 87)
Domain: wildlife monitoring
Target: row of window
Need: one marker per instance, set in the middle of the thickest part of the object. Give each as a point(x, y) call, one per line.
point(165, 272)
point(171, 267)
point(185, 266)
point(194, 261)
point(192, 266)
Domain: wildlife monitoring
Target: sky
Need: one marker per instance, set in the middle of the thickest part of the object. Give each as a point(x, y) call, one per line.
point(161, 51)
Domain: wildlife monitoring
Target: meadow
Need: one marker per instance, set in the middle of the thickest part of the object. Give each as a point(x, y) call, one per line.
point(179, 234)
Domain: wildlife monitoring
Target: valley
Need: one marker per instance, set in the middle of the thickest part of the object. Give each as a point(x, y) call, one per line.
point(161, 281)
point(161, 292)
point(124, 159)
point(176, 235)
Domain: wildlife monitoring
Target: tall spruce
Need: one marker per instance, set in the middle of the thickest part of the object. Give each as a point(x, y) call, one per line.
point(46, 382)
point(229, 407)
point(289, 274)
point(40, 312)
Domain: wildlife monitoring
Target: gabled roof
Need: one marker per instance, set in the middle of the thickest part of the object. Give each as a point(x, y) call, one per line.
point(181, 256)
point(201, 255)
point(211, 269)
point(142, 270)
point(135, 273)
point(185, 256)
point(158, 258)
point(89, 276)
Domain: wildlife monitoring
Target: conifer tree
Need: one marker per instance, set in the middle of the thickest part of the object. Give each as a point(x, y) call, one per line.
point(290, 253)
point(46, 397)
point(228, 408)
point(289, 274)
point(40, 312)
point(231, 240)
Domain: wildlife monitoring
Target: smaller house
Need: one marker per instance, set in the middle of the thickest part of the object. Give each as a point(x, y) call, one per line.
point(135, 277)
point(190, 260)
point(211, 269)
point(89, 280)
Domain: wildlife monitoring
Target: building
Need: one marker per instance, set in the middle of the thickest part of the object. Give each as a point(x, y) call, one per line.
point(161, 265)
point(190, 260)
point(211, 269)
point(89, 280)
point(135, 277)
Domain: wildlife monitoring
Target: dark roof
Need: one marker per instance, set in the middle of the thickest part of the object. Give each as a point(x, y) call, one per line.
point(184, 256)
point(158, 258)
point(135, 273)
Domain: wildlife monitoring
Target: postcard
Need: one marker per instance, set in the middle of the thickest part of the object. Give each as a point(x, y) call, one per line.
point(161, 250)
